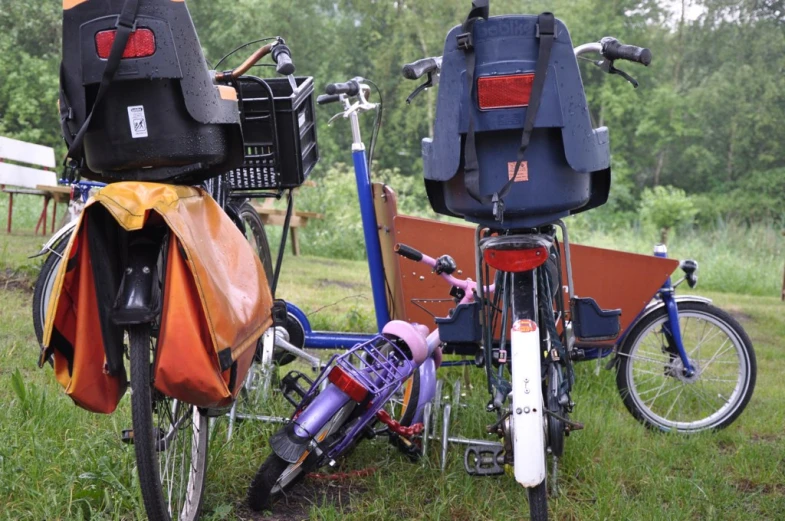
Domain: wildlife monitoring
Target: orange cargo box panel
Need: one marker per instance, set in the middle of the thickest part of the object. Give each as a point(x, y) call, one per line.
point(615, 279)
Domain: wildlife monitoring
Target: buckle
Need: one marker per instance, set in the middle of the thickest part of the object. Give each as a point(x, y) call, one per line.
point(465, 41)
point(547, 31)
point(122, 23)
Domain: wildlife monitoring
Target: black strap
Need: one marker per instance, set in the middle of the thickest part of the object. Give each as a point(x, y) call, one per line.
point(546, 32)
point(126, 24)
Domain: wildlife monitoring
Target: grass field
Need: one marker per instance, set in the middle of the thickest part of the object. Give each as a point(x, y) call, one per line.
point(59, 462)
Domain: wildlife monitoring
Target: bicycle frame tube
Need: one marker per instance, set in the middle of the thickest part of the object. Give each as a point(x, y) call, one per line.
point(325, 339)
point(372, 245)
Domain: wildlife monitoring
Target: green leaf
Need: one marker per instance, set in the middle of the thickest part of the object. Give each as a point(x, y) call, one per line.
point(18, 385)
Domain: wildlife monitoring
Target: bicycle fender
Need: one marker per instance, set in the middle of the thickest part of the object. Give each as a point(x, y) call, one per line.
point(651, 308)
point(54, 239)
point(427, 388)
point(527, 404)
point(319, 412)
point(659, 303)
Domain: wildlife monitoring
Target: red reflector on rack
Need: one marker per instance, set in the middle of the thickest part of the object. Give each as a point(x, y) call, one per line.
point(504, 92)
point(141, 44)
point(353, 389)
point(516, 261)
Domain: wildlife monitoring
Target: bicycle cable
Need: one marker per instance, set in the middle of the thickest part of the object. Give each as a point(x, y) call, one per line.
point(377, 125)
point(243, 46)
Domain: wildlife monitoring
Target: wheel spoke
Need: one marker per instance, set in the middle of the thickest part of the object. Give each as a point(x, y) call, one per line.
point(667, 414)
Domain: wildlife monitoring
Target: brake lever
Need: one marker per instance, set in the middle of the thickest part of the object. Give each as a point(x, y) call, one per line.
point(607, 66)
point(332, 119)
point(425, 86)
point(363, 106)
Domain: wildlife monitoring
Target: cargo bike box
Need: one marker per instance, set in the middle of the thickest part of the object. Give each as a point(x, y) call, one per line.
point(566, 167)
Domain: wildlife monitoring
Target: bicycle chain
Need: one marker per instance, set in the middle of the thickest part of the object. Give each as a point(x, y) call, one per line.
point(407, 432)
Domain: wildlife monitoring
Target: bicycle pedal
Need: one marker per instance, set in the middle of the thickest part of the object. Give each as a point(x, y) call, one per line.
point(127, 436)
point(291, 388)
point(409, 449)
point(484, 460)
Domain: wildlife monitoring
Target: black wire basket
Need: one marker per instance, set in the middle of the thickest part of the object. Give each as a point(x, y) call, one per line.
point(279, 134)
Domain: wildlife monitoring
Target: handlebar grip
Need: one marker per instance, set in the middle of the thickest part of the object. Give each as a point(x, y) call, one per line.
point(417, 69)
point(324, 99)
point(408, 252)
point(282, 56)
point(351, 88)
point(612, 49)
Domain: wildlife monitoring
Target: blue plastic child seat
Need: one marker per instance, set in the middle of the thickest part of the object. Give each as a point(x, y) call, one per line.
point(567, 161)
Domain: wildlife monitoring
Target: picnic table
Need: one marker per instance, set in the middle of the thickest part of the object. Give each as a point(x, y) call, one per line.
point(17, 179)
point(277, 217)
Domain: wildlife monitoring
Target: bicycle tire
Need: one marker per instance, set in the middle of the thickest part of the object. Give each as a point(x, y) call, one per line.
point(154, 451)
point(538, 502)
point(260, 493)
point(42, 289)
point(253, 229)
point(266, 485)
point(633, 393)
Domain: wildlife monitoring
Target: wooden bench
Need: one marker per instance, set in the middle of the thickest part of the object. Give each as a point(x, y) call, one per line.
point(16, 179)
point(277, 217)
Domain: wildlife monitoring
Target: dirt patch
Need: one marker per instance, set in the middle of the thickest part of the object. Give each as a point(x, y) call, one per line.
point(340, 284)
point(726, 447)
point(748, 486)
point(296, 505)
point(12, 280)
point(765, 438)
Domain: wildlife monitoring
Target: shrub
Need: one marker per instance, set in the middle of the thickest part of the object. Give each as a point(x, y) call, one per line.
point(666, 207)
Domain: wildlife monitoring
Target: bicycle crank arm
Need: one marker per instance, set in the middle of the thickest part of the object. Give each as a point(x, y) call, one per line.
point(280, 342)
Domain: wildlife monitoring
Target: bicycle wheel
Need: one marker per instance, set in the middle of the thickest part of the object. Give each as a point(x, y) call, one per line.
point(538, 502)
point(275, 476)
point(652, 383)
point(255, 234)
point(170, 440)
point(44, 285)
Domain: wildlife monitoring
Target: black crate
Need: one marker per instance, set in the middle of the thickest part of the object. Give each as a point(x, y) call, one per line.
point(279, 134)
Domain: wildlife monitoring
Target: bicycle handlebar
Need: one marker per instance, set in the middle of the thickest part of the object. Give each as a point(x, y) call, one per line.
point(350, 88)
point(324, 99)
point(282, 56)
point(467, 285)
point(409, 252)
point(612, 49)
point(417, 69)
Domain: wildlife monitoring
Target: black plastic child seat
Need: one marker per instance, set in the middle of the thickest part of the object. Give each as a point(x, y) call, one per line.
point(161, 118)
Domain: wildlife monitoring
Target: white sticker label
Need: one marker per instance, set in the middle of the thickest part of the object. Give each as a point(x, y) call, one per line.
point(138, 121)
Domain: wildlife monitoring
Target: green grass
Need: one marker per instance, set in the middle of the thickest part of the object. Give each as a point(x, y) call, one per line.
point(59, 462)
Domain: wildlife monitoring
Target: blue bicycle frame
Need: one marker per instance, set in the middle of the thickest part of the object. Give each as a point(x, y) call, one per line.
point(666, 295)
point(333, 340)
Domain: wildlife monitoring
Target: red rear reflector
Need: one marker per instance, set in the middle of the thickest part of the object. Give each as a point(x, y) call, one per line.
point(504, 92)
point(141, 44)
point(353, 389)
point(516, 261)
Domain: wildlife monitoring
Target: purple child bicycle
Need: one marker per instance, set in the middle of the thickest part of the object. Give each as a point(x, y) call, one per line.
point(343, 404)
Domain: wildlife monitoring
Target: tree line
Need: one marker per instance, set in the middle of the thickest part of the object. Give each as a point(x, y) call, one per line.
point(707, 117)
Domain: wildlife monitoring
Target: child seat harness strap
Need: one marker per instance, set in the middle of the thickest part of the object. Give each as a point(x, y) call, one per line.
point(546, 32)
point(126, 24)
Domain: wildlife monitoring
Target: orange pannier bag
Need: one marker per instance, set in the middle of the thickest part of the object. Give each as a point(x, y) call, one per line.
point(215, 302)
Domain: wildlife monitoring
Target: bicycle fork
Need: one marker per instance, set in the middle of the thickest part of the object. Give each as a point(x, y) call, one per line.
point(527, 399)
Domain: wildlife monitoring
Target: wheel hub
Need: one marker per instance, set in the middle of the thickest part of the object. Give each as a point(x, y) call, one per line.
point(677, 370)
